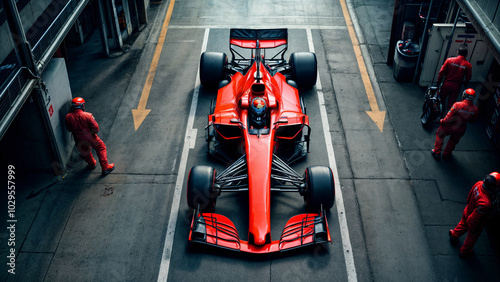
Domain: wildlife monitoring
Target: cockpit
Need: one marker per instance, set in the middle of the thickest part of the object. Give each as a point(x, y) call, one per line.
point(258, 114)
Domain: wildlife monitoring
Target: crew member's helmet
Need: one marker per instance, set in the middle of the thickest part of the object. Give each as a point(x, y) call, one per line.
point(469, 94)
point(258, 109)
point(78, 103)
point(497, 177)
point(463, 50)
point(489, 183)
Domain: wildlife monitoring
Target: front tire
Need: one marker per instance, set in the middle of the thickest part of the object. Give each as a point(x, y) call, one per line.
point(320, 188)
point(304, 69)
point(212, 68)
point(201, 192)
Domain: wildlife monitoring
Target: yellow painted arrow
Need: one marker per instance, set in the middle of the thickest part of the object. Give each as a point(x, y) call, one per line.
point(375, 114)
point(141, 112)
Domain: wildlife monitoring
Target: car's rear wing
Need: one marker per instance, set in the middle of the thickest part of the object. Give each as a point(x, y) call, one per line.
point(258, 38)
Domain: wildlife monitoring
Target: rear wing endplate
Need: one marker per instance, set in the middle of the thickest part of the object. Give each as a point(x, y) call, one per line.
point(258, 38)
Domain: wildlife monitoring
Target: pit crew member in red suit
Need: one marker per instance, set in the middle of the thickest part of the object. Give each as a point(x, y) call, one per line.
point(455, 124)
point(452, 74)
point(475, 214)
point(495, 201)
point(84, 128)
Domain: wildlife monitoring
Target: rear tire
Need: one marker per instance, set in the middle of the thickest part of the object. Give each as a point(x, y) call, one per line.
point(201, 188)
point(212, 68)
point(304, 69)
point(320, 188)
point(303, 106)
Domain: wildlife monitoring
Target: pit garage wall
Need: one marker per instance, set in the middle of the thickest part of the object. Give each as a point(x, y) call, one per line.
point(26, 145)
point(479, 55)
point(31, 144)
point(485, 16)
point(57, 101)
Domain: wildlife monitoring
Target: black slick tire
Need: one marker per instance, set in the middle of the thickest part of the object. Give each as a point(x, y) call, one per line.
point(212, 68)
point(201, 188)
point(320, 188)
point(304, 69)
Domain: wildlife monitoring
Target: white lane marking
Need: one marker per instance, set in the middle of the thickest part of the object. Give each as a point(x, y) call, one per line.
point(192, 141)
point(174, 211)
point(266, 26)
point(339, 200)
point(294, 17)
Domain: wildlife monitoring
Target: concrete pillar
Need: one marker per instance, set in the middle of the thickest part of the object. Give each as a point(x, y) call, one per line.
point(103, 27)
point(134, 14)
point(117, 42)
point(128, 21)
point(142, 7)
point(110, 32)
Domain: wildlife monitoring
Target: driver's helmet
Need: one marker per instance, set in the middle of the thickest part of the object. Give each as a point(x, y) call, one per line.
point(258, 109)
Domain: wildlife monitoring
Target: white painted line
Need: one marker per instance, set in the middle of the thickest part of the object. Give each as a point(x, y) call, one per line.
point(267, 26)
point(174, 211)
point(192, 141)
point(294, 17)
point(339, 200)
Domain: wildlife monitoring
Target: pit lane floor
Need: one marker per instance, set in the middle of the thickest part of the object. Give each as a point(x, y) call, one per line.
point(399, 202)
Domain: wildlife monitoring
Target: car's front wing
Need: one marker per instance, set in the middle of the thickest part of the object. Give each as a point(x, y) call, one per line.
point(300, 230)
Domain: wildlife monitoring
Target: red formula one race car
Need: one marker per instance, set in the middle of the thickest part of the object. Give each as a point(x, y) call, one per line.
point(258, 123)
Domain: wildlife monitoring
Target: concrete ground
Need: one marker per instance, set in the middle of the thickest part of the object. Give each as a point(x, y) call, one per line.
point(50, 206)
point(440, 187)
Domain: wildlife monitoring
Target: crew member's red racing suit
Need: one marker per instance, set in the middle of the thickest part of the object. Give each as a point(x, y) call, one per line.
point(474, 216)
point(84, 128)
point(453, 71)
point(454, 124)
